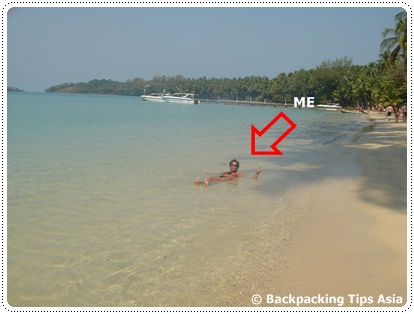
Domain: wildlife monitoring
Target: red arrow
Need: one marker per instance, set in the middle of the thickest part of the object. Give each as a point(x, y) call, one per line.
point(255, 132)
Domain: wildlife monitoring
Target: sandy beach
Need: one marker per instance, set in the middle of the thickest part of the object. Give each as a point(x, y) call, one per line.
point(347, 244)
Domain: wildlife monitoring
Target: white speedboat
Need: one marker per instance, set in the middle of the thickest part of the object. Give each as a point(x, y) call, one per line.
point(153, 97)
point(329, 107)
point(180, 98)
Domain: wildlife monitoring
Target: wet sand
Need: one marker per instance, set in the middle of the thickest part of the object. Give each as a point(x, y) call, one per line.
point(348, 240)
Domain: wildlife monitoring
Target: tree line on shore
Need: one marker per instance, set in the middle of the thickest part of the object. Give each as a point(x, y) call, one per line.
point(382, 82)
point(14, 89)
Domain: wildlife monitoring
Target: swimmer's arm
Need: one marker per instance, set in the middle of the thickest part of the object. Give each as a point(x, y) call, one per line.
point(257, 173)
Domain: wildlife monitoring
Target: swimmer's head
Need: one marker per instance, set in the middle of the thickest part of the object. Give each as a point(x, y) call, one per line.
point(234, 162)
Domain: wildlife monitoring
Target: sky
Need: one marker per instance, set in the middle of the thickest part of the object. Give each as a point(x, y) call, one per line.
point(48, 46)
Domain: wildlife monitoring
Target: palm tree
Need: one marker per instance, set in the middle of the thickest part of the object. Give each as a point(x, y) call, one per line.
point(395, 46)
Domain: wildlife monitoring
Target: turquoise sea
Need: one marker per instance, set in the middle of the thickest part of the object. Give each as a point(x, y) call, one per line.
point(102, 209)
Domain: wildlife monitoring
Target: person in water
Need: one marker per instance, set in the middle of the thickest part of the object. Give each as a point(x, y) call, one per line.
point(229, 175)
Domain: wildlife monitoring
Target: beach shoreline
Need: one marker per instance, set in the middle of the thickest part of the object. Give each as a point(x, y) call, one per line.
point(348, 242)
point(163, 241)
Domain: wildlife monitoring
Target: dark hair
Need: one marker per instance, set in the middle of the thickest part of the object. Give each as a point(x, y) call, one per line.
point(234, 160)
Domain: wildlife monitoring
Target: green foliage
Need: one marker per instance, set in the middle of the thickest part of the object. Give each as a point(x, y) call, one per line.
point(14, 89)
point(395, 39)
point(381, 82)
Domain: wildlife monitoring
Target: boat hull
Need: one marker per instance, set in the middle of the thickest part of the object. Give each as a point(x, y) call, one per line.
point(332, 107)
point(179, 101)
point(152, 98)
point(186, 100)
point(348, 111)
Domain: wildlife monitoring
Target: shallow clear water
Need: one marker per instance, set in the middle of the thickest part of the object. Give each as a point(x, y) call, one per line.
point(103, 210)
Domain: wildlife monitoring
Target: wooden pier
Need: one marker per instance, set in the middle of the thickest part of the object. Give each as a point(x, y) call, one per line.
point(245, 103)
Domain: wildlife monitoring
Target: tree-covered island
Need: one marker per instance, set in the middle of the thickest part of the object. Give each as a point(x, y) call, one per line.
point(14, 89)
point(381, 82)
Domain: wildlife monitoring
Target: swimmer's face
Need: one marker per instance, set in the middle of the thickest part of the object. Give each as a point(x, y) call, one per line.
point(234, 166)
